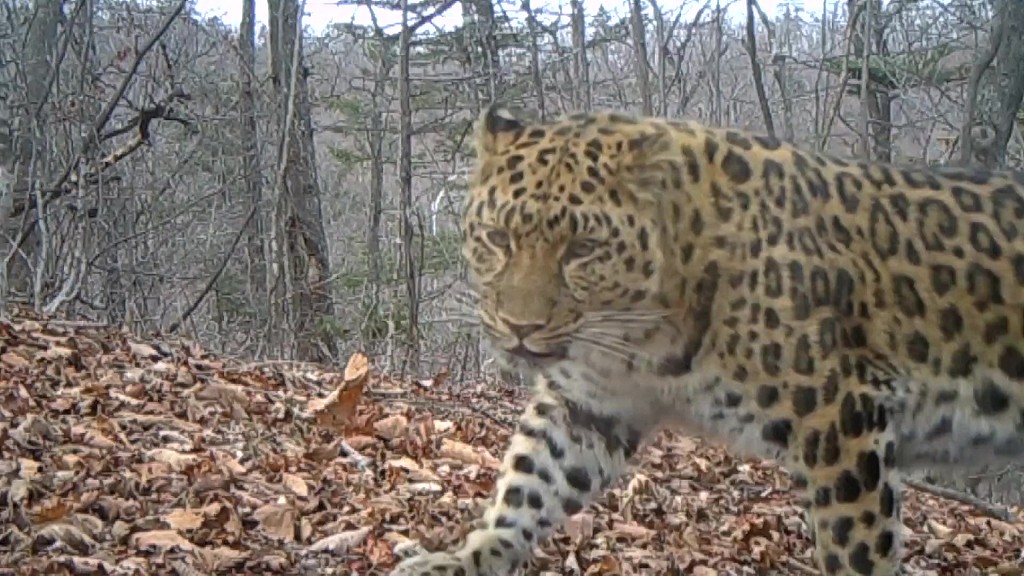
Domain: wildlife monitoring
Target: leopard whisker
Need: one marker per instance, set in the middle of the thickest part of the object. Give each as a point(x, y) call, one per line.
point(625, 320)
point(606, 347)
point(630, 314)
point(613, 345)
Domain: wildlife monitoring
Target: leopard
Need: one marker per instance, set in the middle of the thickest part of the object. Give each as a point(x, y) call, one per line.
point(854, 321)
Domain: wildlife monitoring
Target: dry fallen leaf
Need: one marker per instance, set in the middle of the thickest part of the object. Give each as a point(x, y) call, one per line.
point(145, 455)
point(13, 360)
point(176, 460)
point(295, 484)
point(277, 520)
point(221, 558)
point(18, 492)
point(467, 454)
point(143, 350)
point(28, 469)
point(336, 410)
point(160, 540)
point(68, 535)
point(182, 519)
point(55, 509)
point(391, 427)
point(342, 542)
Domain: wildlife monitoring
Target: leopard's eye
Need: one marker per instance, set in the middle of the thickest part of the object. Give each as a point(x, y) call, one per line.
point(582, 248)
point(499, 238)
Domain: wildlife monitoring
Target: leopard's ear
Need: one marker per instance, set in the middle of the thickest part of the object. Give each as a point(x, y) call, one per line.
point(494, 127)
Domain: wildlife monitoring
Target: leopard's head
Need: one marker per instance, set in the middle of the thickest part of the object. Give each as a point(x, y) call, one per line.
point(564, 233)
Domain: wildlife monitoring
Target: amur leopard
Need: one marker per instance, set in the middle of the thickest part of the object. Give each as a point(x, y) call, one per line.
point(851, 320)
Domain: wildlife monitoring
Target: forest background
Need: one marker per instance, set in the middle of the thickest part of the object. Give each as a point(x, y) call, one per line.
point(287, 188)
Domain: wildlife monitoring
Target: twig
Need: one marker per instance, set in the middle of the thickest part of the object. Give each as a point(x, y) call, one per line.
point(108, 109)
point(216, 275)
point(60, 323)
point(986, 508)
point(361, 462)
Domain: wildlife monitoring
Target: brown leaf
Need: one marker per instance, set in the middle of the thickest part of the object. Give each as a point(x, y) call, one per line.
point(143, 350)
point(181, 519)
point(220, 559)
point(51, 511)
point(56, 353)
point(176, 460)
point(337, 409)
point(295, 484)
point(13, 360)
point(69, 535)
point(277, 520)
point(159, 540)
point(468, 454)
point(158, 457)
point(357, 370)
point(91, 436)
point(28, 469)
point(342, 542)
point(391, 427)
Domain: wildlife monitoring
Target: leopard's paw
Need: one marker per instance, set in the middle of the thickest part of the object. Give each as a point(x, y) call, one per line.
point(435, 564)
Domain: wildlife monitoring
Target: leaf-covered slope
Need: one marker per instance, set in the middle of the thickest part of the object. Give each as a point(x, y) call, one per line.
point(122, 455)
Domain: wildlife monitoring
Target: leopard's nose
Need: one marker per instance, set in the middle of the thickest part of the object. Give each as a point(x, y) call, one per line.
point(522, 331)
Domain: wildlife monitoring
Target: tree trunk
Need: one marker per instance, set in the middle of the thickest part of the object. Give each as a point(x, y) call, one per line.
point(308, 265)
point(580, 64)
point(490, 65)
point(410, 269)
point(996, 88)
point(535, 69)
point(755, 68)
point(868, 41)
point(375, 144)
point(251, 178)
point(30, 155)
point(636, 21)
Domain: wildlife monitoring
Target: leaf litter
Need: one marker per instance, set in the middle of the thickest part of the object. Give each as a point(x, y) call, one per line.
point(144, 456)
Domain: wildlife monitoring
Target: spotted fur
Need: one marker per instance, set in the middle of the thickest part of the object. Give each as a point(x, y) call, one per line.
point(851, 320)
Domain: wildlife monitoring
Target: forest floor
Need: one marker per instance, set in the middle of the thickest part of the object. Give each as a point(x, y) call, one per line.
point(128, 455)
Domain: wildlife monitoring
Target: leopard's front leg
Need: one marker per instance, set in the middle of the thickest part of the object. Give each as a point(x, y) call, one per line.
point(563, 455)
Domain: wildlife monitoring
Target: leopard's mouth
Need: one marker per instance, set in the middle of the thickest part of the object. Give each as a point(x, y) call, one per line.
point(522, 357)
point(549, 355)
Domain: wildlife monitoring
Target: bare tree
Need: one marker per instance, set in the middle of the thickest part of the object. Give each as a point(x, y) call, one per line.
point(755, 67)
point(996, 88)
point(249, 139)
point(584, 94)
point(410, 270)
point(643, 66)
point(27, 259)
point(536, 74)
point(304, 264)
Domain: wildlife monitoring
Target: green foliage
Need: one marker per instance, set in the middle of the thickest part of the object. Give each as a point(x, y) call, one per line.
point(230, 289)
point(346, 157)
point(378, 322)
point(437, 255)
point(353, 109)
point(376, 50)
point(441, 252)
point(896, 71)
point(331, 328)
